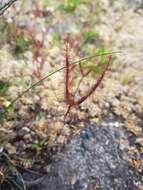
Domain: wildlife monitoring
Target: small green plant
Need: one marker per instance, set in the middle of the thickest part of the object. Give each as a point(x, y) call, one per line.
point(91, 37)
point(3, 87)
point(70, 6)
point(21, 44)
point(39, 145)
point(2, 27)
point(16, 37)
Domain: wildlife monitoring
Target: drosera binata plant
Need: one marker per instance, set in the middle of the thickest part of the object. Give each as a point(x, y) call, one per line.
point(97, 69)
point(85, 68)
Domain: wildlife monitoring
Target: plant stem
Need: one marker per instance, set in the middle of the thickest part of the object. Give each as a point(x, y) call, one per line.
point(54, 72)
point(32, 86)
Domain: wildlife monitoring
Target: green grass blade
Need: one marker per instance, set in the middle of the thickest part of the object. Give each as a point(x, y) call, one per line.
point(56, 71)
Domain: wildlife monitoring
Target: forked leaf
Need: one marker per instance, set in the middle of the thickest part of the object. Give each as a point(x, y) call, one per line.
point(49, 75)
point(96, 71)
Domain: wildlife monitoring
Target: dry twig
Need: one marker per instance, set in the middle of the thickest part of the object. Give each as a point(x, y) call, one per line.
point(5, 4)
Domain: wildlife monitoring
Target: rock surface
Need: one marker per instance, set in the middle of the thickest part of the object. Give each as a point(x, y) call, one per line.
point(92, 160)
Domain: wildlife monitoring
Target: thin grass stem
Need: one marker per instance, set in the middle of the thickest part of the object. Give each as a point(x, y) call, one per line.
point(54, 72)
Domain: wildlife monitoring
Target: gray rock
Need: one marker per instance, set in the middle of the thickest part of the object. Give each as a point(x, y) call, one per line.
point(91, 159)
point(135, 4)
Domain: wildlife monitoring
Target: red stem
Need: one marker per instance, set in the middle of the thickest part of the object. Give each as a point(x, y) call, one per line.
point(68, 98)
point(94, 87)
